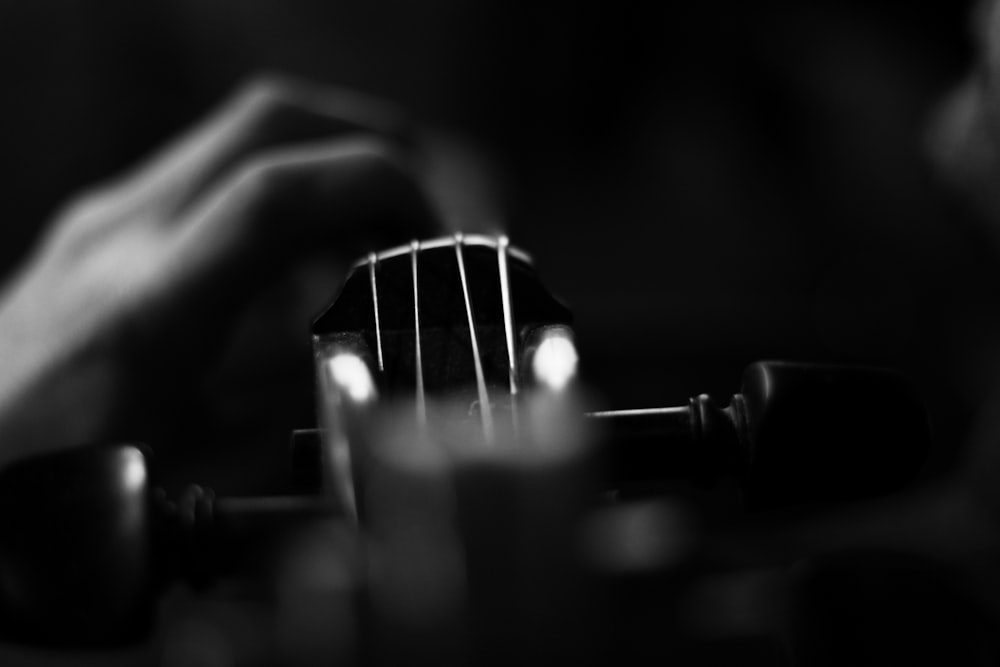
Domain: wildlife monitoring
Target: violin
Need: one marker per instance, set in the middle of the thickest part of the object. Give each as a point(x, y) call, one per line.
point(485, 513)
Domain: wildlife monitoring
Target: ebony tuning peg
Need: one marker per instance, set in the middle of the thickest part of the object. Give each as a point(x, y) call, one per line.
point(794, 434)
point(88, 543)
point(77, 553)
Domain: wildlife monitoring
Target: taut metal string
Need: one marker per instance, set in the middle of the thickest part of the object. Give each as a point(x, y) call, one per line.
point(503, 244)
point(421, 401)
point(484, 400)
point(372, 261)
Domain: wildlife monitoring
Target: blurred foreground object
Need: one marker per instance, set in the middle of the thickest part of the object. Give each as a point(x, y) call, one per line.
point(482, 515)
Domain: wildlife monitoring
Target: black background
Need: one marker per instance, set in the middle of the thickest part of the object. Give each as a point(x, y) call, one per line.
point(705, 184)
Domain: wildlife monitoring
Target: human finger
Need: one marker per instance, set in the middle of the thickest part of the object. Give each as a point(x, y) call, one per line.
point(467, 188)
point(346, 197)
point(267, 112)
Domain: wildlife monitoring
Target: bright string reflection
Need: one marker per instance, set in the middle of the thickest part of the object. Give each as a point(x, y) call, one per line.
point(351, 374)
point(134, 471)
point(555, 361)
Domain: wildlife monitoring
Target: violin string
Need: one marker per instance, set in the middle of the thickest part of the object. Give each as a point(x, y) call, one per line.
point(372, 261)
point(503, 244)
point(421, 401)
point(485, 410)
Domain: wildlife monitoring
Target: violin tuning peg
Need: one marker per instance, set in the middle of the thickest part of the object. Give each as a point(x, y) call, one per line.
point(796, 434)
point(822, 433)
point(77, 548)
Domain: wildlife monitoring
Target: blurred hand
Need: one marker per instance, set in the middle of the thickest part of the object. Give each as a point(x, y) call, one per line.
point(963, 138)
point(116, 301)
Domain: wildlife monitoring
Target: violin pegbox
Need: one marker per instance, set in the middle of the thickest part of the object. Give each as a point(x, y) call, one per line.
point(462, 319)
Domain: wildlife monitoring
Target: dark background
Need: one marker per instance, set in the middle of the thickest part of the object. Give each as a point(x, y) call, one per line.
point(705, 183)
